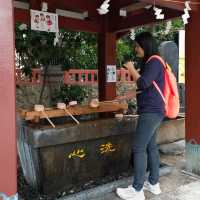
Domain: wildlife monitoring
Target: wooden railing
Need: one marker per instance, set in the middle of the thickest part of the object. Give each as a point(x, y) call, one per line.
point(90, 77)
point(70, 77)
point(33, 79)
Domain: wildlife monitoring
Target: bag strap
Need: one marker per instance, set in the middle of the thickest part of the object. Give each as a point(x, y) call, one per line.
point(159, 58)
point(154, 83)
point(159, 90)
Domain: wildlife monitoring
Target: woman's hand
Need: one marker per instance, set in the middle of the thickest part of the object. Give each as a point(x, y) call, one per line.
point(129, 65)
point(131, 68)
point(127, 96)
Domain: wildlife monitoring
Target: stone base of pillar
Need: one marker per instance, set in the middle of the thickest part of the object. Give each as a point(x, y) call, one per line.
point(193, 157)
point(5, 197)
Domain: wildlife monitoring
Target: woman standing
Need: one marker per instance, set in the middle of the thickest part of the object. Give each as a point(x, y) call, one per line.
point(151, 113)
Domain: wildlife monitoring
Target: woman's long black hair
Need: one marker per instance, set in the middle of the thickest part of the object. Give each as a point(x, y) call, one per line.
point(148, 44)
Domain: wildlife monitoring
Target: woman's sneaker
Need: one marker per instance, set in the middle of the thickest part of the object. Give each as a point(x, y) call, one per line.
point(155, 189)
point(130, 193)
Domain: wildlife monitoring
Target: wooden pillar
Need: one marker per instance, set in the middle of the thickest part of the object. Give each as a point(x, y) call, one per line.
point(106, 56)
point(8, 169)
point(193, 94)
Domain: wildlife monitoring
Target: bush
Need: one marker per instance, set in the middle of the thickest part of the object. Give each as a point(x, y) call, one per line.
point(67, 93)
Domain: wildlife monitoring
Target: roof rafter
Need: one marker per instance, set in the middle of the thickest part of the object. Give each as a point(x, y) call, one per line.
point(135, 6)
point(167, 4)
point(143, 18)
point(124, 3)
point(82, 5)
point(164, 4)
point(179, 5)
point(75, 5)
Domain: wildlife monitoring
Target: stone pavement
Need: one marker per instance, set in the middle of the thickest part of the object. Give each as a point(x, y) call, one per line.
point(178, 185)
point(175, 186)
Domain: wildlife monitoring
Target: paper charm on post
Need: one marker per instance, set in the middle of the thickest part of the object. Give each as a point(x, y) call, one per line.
point(104, 7)
point(44, 21)
point(111, 73)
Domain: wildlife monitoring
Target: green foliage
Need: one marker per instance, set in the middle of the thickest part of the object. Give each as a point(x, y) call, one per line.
point(80, 48)
point(76, 50)
point(124, 51)
point(125, 47)
point(67, 93)
point(159, 30)
point(36, 49)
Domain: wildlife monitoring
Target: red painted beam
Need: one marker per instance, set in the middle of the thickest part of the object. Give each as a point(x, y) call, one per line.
point(123, 3)
point(64, 22)
point(35, 4)
point(8, 150)
point(192, 71)
point(166, 4)
point(115, 6)
point(21, 15)
point(79, 25)
point(86, 5)
point(177, 5)
point(75, 5)
point(121, 34)
point(121, 24)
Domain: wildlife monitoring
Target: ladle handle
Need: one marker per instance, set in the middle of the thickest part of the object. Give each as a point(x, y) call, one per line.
point(48, 119)
point(72, 116)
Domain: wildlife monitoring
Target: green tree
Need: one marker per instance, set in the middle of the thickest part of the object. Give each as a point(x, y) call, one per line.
point(125, 46)
point(35, 49)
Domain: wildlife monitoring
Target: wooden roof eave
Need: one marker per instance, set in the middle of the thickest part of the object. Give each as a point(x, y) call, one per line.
point(176, 5)
point(121, 24)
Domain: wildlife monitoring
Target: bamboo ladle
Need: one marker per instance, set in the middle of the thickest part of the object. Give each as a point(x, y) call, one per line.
point(63, 106)
point(40, 108)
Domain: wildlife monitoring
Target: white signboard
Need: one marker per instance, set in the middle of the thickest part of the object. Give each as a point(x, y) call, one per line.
point(44, 21)
point(111, 73)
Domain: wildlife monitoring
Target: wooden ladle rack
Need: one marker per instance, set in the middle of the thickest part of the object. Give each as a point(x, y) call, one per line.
point(104, 106)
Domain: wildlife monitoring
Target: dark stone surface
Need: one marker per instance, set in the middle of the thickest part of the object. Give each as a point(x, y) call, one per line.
point(41, 136)
point(45, 153)
point(60, 172)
